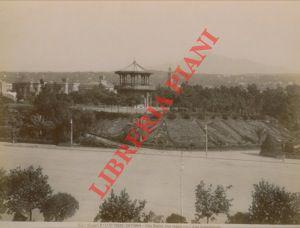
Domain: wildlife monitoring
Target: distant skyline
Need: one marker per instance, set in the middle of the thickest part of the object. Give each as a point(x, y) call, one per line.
point(106, 36)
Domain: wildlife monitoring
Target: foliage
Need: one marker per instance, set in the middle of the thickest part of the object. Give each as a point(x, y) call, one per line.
point(211, 202)
point(83, 122)
point(272, 204)
point(50, 119)
point(95, 96)
point(120, 208)
point(59, 207)
point(4, 104)
point(100, 96)
point(27, 189)
point(15, 121)
point(23, 190)
point(151, 217)
point(239, 218)
point(37, 126)
point(280, 103)
point(19, 217)
point(3, 178)
point(5, 100)
point(55, 107)
point(175, 218)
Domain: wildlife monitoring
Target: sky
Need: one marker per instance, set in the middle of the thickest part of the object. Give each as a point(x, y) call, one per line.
point(106, 36)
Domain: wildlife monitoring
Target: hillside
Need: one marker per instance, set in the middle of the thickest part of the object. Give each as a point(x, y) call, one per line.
point(190, 133)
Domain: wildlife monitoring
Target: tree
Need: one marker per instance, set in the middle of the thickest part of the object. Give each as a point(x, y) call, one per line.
point(54, 106)
point(293, 94)
point(2, 191)
point(120, 208)
point(175, 218)
point(59, 207)
point(15, 121)
point(211, 202)
point(27, 189)
point(38, 126)
point(272, 204)
point(96, 95)
point(239, 218)
point(4, 106)
point(83, 122)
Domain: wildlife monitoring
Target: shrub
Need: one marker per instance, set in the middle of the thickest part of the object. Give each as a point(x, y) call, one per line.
point(175, 218)
point(239, 218)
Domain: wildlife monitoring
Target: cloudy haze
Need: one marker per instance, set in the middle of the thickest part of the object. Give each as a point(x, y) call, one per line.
point(94, 36)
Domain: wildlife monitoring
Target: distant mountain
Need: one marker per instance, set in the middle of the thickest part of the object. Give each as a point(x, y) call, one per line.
point(216, 64)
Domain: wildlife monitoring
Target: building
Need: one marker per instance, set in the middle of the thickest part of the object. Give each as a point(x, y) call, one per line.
point(106, 84)
point(64, 86)
point(26, 89)
point(5, 87)
point(135, 80)
point(102, 82)
point(6, 90)
point(88, 86)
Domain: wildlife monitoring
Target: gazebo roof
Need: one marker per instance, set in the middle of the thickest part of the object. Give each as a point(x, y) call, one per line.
point(134, 67)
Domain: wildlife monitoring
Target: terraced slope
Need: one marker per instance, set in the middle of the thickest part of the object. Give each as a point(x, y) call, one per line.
point(190, 133)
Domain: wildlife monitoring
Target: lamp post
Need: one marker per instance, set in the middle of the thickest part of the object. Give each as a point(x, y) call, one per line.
point(206, 139)
point(71, 130)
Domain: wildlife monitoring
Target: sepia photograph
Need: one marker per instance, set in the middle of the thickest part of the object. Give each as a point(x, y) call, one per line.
point(149, 114)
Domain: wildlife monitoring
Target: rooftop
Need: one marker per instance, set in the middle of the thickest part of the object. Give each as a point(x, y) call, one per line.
point(135, 68)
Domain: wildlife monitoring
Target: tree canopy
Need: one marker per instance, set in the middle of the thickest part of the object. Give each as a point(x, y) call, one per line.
point(239, 218)
point(120, 208)
point(175, 218)
point(27, 189)
point(23, 190)
point(211, 201)
point(272, 204)
point(280, 103)
point(55, 107)
point(2, 191)
point(59, 207)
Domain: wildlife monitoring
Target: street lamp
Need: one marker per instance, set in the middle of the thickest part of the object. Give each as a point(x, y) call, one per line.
point(71, 130)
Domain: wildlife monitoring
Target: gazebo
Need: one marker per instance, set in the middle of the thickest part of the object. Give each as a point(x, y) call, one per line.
point(135, 80)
